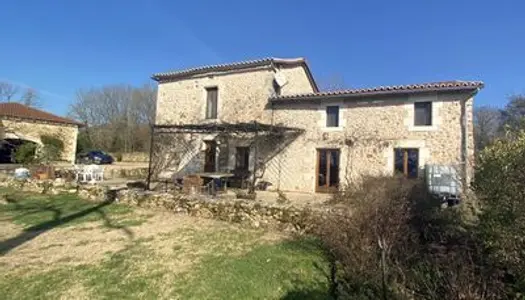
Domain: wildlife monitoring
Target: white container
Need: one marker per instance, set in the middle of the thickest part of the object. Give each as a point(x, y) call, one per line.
point(22, 173)
point(442, 180)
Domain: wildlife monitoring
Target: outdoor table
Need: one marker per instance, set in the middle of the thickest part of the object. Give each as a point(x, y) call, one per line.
point(216, 176)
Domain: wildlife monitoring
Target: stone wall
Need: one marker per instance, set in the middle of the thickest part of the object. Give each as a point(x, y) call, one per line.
point(242, 95)
point(369, 131)
point(32, 130)
point(247, 212)
point(135, 157)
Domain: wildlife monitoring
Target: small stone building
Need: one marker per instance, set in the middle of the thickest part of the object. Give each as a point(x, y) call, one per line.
point(344, 135)
point(20, 123)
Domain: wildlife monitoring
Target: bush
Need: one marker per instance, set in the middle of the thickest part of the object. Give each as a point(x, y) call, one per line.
point(52, 149)
point(52, 141)
point(500, 186)
point(368, 236)
point(25, 153)
point(393, 241)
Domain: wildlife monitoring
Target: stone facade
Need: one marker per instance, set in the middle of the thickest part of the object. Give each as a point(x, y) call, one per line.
point(369, 128)
point(32, 130)
point(242, 95)
point(368, 133)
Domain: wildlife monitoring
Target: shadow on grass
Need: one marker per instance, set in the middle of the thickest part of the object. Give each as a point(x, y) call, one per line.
point(32, 232)
point(307, 294)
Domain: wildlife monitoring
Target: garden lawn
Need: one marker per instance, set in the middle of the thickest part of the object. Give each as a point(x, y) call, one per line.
point(64, 247)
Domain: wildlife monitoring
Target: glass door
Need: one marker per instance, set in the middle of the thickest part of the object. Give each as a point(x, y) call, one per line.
point(327, 170)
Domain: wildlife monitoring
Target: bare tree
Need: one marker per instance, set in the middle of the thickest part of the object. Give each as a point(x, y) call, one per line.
point(31, 98)
point(118, 116)
point(487, 125)
point(8, 91)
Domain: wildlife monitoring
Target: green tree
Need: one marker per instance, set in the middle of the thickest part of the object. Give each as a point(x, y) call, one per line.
point(500, 185)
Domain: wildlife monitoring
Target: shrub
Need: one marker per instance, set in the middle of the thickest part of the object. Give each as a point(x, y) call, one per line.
point(500, 186)
point(392, 240)
point(53, 141)
point(368, 236)
point(52, 148)
point(25, 153)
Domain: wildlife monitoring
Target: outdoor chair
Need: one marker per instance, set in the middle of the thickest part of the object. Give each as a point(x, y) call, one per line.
point(89, 174)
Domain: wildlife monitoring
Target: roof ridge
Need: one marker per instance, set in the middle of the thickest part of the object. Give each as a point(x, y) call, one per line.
point(264, 60)
point(19, 110)
point(416, 87)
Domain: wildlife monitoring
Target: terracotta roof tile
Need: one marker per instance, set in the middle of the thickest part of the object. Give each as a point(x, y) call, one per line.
point(389, 90)
point(173, 75)
point(17, 110)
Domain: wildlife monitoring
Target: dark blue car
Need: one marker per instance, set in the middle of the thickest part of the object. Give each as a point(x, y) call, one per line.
point(95, 157)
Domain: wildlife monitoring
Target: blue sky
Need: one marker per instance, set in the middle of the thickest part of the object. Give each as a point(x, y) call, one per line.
point(58, 47)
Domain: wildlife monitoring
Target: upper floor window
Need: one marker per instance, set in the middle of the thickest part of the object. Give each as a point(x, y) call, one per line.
point(332, 116)
point(211, 102)
point(423, 113)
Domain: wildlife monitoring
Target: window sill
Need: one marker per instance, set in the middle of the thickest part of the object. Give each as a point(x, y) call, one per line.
point(423, 128)
point(205, 121)
point(332, 128)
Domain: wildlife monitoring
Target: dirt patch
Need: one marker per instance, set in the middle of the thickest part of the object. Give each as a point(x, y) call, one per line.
point(60, 246)
point(174, 241)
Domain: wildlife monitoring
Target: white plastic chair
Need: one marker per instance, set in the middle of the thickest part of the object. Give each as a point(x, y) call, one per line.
point(77, 170)
point(97, 173)
point(90, 174)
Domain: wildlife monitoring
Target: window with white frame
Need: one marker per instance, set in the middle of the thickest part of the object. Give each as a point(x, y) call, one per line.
point(423, 113)
point(332, 116)
point(211, 102)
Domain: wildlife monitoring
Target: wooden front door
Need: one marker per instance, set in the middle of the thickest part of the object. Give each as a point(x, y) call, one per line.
point(327, 170)
point(210, 155)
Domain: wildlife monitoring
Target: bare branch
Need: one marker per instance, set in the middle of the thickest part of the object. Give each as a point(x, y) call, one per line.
point(8, 91)
point(31, 98)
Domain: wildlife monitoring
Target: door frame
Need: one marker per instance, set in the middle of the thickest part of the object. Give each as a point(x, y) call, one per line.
point(326, 189)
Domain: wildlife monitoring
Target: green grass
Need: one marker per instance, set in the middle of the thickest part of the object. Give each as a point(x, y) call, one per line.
point(293, 269)
point(214, 262)
point(55, 210)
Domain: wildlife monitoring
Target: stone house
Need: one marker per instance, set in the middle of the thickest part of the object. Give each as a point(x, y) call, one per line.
point(20, 123)
point(340, 135)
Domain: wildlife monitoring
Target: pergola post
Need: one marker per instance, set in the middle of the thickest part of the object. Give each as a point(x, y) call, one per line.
point(255, 157)
point(151, 143)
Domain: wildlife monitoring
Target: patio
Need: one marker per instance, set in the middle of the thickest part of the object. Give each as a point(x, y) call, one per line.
point(209, 157)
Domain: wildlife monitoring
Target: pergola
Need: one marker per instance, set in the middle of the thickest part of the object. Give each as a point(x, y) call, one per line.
point(242, 128)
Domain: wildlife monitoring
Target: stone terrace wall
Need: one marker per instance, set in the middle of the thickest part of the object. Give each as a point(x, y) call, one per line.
point(247, 212)
point(135, 157)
